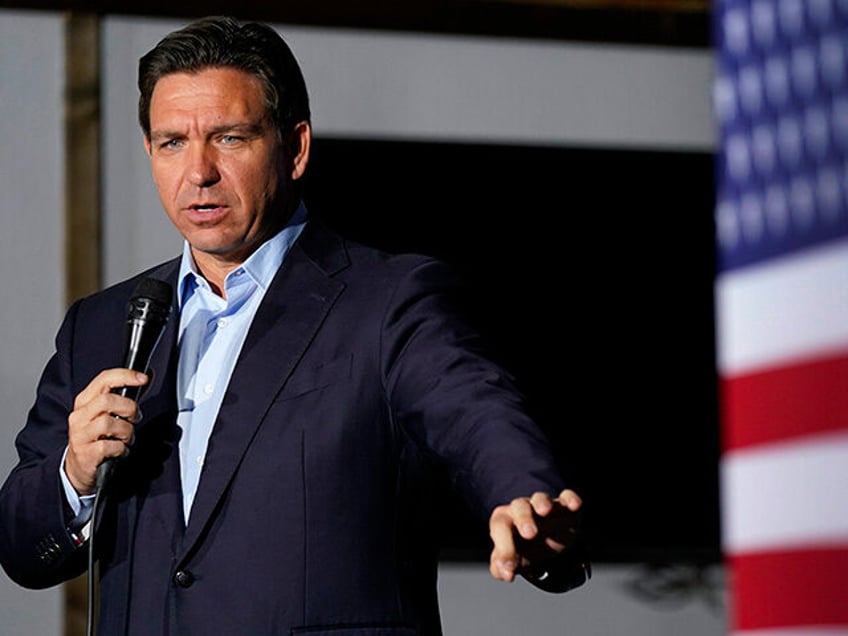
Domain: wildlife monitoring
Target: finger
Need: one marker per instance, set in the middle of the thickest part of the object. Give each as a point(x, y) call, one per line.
point(83, 430)
point(116, 427)
point(106, 381)
point(108, 416)
point(503, 561)
point(134, 416)
point(109, 447)
point(570, 500)
point(117, 433)
point(521, 511)
point(542, 503)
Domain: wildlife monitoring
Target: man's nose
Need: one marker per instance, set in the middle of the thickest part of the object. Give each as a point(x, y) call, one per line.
point(203, 169)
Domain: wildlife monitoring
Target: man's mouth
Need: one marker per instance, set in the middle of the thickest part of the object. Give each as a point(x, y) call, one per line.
point(206, 211)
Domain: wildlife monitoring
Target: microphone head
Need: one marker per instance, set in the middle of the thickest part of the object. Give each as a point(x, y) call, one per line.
point(156, 290)
point(151, 301)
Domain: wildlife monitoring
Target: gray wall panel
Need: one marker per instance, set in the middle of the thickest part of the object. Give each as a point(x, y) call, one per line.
point(31, 252)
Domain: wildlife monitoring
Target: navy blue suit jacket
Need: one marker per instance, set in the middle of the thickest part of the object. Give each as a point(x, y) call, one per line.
point(356, 382)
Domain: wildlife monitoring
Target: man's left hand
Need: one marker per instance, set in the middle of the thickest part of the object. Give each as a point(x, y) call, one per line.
point(530, 530)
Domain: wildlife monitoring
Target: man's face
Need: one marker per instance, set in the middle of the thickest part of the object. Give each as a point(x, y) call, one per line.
point(218, 162)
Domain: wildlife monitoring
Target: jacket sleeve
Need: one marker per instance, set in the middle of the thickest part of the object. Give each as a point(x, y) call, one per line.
point(36, 548)
point(461, 406)
point(454, 400)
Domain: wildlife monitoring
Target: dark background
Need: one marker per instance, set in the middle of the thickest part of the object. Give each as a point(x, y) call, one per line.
point(679, 23)
point(592, 272)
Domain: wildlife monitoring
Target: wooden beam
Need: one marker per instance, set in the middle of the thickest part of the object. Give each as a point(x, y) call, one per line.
point(82, 166)
point(82, 207)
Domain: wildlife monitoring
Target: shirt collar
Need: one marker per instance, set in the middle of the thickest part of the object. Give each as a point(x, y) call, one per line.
point(261, 266)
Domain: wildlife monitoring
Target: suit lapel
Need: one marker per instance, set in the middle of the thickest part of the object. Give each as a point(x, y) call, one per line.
point(292, 311)
point(164, 495)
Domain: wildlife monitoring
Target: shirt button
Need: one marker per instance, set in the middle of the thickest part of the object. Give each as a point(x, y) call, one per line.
point(222, 322)
point(199, 460)
point(184, 578)
point(209, 389)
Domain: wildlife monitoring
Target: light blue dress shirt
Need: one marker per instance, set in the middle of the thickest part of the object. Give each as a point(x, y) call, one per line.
point(212, 330)
point(211, 333)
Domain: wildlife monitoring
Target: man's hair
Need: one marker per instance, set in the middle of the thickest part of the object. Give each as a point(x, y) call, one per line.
point(223, 42)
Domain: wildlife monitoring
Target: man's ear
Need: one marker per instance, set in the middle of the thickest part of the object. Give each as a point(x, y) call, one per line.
point(297, 147)
point(146, 145)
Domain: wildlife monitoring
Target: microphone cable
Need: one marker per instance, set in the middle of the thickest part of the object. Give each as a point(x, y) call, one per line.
point(103, 474)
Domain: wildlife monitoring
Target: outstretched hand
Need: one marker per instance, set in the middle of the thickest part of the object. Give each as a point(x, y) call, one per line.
point(529, 531)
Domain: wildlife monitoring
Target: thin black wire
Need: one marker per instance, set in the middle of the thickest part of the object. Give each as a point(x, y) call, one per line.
point(91, 573)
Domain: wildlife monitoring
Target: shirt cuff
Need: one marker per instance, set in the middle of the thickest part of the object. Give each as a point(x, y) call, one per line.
point(81, 505)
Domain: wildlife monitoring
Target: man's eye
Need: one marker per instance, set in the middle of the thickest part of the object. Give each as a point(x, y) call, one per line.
point(172, 143)
point(230, 139)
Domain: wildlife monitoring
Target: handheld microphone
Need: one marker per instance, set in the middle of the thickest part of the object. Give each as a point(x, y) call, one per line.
point(147, 314)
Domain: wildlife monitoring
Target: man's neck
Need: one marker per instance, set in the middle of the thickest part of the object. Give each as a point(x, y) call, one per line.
point(215, 268)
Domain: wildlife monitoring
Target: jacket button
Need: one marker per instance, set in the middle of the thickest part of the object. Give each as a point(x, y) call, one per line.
point(184, 578)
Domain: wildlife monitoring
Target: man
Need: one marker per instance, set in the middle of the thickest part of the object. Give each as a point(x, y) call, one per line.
point(277, 470)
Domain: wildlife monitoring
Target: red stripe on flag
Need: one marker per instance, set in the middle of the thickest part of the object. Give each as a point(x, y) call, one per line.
point(785, 403)
point(785, 589)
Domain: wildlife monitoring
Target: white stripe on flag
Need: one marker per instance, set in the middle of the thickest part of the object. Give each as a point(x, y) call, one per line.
point(785, 494)
point(783, 310)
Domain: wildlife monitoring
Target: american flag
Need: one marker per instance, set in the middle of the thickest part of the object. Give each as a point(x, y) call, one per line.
point(781, 99)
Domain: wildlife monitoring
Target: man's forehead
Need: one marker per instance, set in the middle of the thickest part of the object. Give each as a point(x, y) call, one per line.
point(219, 75)
point(219, 92)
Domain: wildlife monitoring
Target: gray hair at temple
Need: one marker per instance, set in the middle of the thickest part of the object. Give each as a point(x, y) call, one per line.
point(224, 42)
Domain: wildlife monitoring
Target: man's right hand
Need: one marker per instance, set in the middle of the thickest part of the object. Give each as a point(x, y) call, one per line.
point(100, 426)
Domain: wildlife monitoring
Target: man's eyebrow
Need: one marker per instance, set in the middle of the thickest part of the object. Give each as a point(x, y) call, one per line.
point(164, 134)
point(256, 128)
point(244, 128)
